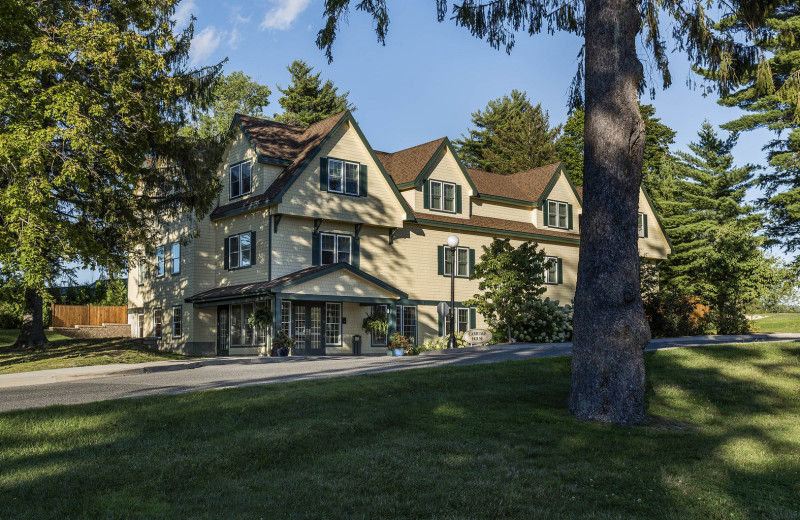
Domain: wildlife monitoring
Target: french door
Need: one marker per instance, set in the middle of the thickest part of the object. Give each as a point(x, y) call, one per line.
point(308, 323)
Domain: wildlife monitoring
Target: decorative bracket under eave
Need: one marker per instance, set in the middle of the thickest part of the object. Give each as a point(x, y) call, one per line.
point(358, 230)
point(317, 224)
point(277, 220)
point(392, 232)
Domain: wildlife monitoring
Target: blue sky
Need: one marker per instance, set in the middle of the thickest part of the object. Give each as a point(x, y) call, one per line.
point(430, 76)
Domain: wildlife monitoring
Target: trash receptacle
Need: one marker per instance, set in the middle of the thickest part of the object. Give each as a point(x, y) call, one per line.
point(357, 345)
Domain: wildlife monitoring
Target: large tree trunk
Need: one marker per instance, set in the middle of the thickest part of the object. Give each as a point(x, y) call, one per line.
point(610, 329)
point(32, 332)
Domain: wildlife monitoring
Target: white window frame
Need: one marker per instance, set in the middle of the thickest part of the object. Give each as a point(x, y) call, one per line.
point(257, 337)
point(442, 198)
point(459, 312)
point(401, 321)
point(239, 264)
point(641, 225)
point(338, 325)
point(286, 317)
point(552, 271)
point(179, 321)
point(158, 324)
point(239, 167)
point(175, 259)
point(448, 264)
point(160, 262)
point(554, 217)
point(342, 176)
point(336, 251)
point(385, 309)
point(140, 325)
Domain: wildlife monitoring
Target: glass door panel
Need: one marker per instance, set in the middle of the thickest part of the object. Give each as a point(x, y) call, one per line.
point(315, 328)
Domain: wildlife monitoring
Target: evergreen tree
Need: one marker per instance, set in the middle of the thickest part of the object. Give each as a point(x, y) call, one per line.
point(307, 100)
point(510, 135)
point(235, 93)
point(658, 137)
point(93, 96)
point(770, 96)
point(718, 256)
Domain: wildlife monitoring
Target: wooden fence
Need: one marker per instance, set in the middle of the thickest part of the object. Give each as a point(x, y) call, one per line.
point(71, 315)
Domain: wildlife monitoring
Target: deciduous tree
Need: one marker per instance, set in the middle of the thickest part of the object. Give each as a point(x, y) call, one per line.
point(92, 97)
point(608, 378)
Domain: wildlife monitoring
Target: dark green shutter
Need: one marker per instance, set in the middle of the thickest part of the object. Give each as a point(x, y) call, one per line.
point(252, 248)
point(458, 198)
point(392, 311)
point(362, 181)
point(471, 261)
point(356, 257)
point(560, 274)
point(323, 173)
point(644, 215)
point(544, 213)
point(473, 317)
point(441, 260)
point(315, 249)
point(569, 213)
point(225, 253)
point(426, 194)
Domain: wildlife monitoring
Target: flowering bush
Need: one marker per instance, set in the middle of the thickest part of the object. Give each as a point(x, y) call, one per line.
point(542, 321)
point(398, 341)
point(436, 344)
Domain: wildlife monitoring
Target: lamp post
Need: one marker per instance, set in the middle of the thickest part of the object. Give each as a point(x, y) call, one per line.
point(452, 243)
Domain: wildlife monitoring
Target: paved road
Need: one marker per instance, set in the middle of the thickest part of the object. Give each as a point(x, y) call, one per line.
point(123, 381)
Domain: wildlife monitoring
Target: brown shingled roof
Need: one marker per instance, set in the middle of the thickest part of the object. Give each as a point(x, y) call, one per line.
point(490, 223)
point(292, 143)
point(405, 165)
point(527, 185)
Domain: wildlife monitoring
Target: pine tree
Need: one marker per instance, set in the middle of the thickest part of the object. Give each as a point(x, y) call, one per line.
point(510, 135)
point(717, 254)
point(307, 100)
point(658, 137)
point(770, 96)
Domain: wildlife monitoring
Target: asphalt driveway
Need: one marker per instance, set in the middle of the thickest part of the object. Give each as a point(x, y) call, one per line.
point(90, 384)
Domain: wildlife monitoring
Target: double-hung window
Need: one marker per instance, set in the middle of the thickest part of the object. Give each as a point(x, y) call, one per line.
point(379, 338)
point(177, 321)
point(176, 258)
point(408, 322)
point(443, 196)
point(343, 177)
point(462, 261)
point(462, 321)
point(157, 323)
point(241, 179)
point(160, 261)
point(333, 324)
point(239, 249)
point(558, 214)
point(336, 248)
point(551, 272)
point(140, 324)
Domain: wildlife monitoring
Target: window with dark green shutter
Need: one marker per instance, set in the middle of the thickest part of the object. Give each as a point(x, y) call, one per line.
point(362, 180)
point(462, 261)
point(442, 196)
point(345, 177)
point(642, 225)
point(557, 214)
point(553, 270)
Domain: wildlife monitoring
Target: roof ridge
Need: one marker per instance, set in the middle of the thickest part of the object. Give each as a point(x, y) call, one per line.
point(417, 145)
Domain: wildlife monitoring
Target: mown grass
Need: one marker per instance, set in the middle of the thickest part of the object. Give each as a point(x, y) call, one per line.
point(480, 441)
point(64, 352)
point(783, 322)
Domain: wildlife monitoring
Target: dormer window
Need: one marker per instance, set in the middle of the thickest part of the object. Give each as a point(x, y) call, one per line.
point(343, 177)
point(241, 179)
point(443, 196)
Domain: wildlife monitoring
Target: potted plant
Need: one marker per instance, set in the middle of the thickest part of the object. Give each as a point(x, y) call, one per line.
point(282, 344)
point(260, 319)
point(376, 323)
point(398, 344)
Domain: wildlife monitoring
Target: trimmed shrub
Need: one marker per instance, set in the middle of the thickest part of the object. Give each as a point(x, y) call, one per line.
point(542, 321)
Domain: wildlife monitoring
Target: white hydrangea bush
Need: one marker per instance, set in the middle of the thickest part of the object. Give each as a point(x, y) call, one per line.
point(542, 321)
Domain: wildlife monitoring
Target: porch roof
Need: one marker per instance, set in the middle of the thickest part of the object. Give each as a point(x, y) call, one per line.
point(285, 282)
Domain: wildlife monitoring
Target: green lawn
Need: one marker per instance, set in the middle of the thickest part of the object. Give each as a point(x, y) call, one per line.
point(785, 322)
point(65, 352)
point(482, 441)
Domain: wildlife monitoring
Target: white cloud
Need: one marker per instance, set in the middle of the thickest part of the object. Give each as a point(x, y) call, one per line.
point(283, 14)
point(184, 13)
point(205, 43)
point(234, 38)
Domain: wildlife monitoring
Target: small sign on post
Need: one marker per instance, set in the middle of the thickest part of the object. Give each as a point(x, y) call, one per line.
point(475, 337)
point(443, 309)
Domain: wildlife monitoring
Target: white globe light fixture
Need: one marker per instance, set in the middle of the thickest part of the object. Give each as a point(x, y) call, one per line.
point(452, 243)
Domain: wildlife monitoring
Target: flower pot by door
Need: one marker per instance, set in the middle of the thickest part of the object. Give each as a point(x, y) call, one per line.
point(398, 352)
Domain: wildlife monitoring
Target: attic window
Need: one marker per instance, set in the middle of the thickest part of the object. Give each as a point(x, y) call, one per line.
point(241, 179)
point(443, 196)
point(343, 177)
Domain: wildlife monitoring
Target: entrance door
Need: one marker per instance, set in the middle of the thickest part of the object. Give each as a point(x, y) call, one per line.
point(308, 329)
point(223, 332)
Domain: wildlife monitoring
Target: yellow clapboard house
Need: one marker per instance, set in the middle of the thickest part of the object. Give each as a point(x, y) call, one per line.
point(320, 229)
